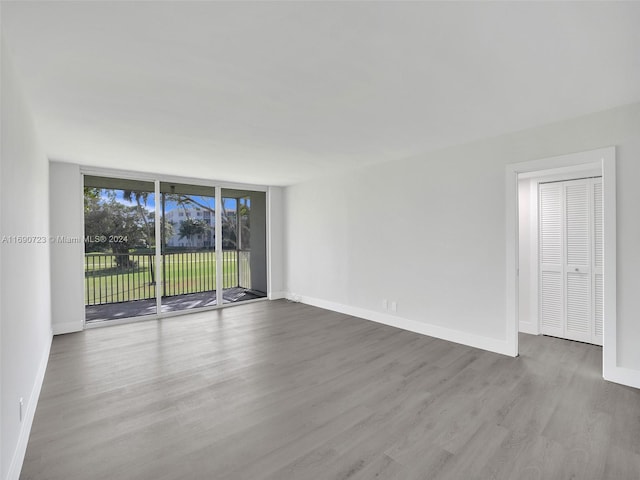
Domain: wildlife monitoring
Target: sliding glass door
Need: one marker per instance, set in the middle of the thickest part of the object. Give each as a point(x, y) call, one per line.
point(188, 246)
point(119, 229)
point(244, 249)
point(211, 247)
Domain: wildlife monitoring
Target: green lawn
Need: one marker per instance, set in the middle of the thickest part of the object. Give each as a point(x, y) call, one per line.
point(134, 276)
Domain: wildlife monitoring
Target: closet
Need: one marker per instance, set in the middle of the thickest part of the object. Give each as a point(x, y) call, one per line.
point(571, 259)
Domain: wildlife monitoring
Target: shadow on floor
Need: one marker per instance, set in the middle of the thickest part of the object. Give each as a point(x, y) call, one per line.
point(137, 308)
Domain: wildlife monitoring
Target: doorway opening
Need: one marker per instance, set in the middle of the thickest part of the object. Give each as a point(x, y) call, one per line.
point(561, 254)
point(574, 165)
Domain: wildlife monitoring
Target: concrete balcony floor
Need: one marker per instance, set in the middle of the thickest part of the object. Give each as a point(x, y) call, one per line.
point(137, 308)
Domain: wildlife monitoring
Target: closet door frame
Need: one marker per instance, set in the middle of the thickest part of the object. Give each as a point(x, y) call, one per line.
point(601, 158)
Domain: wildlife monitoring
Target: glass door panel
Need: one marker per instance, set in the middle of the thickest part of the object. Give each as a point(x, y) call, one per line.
point(188, 246)
point(243, 218)
point(119, 229)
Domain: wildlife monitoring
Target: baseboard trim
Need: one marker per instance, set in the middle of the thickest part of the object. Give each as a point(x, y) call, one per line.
point(277, 295)
point(21, 448)
point(67, 327)
point(456, 336)
point(623, 376)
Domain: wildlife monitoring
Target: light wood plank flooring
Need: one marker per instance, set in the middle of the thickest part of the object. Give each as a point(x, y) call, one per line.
point(275, 390)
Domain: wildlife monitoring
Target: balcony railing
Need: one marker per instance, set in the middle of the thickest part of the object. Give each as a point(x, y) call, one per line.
point(115, 278)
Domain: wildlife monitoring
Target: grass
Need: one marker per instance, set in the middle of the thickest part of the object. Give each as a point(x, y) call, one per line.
point(183, 273)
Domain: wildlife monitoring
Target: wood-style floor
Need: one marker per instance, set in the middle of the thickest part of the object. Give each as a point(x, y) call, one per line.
point(275, 390)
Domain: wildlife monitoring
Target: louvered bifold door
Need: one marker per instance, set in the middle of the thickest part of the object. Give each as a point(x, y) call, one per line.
point(551, 241)
point(571, 259)
point(598, 263)
point(578, 198)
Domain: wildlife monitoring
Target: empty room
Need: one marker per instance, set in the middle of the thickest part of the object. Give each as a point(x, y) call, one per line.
point(319, 240)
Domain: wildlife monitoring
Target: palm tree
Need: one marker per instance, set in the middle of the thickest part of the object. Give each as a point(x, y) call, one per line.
point(191, 227)
point(229, 218)
point(140, 199)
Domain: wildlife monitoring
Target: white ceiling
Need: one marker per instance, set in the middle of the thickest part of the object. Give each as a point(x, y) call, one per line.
point(276, 93)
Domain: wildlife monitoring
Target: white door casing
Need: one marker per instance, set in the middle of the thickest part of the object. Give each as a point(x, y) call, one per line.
point(598, 263)
point(604, 160)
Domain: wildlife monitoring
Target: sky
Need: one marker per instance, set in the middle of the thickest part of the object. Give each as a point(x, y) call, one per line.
point(229, 203)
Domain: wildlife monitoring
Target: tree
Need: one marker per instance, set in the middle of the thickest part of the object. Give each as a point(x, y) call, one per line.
point(167, 226)
point(228, 217)
point(141, 199)
point(91, 197)
point(191, 227)
point(110, 224)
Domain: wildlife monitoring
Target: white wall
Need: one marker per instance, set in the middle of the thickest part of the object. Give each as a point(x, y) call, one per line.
point(67, 268)
point(25, 307)
point(317, 251)
point(275, 242)
point(429, 232)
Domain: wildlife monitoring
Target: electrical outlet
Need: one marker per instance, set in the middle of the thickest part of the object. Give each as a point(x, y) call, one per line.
point(385, 304)
point(21, 405)
point(394, 306)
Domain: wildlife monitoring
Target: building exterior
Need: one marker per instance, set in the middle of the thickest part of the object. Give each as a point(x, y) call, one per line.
point(199, 240)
